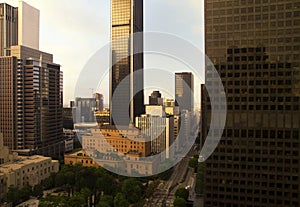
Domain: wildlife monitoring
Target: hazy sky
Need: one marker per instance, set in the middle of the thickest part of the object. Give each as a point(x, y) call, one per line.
point(73, 30)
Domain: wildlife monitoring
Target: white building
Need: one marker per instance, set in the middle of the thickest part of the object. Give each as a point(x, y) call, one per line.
point(159, 127)
point(28, 25)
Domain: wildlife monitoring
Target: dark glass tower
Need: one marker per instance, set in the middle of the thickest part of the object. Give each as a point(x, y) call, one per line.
point(184, 91)
point(255, 47)
point(126, 19)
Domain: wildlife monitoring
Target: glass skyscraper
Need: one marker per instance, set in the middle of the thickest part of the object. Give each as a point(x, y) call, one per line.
point(126, 19)
point(255, 47)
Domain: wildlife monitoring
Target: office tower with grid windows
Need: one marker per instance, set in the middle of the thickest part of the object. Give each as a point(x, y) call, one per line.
point(127, 67)
point(255, 47)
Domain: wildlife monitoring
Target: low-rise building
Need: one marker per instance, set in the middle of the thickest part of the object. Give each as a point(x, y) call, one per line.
point(28, 170)
point(19, 171)
point(125, 141)
point(80, 157)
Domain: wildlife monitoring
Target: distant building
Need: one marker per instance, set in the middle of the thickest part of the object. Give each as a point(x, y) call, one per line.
point(171, 108)
point(102, 117)
point(157, 125)
point(155, 98)
point(68, 122)
point(155, 110)
point(85, 108)
point(160, 129)
point(184, 91)
point(99, 106)
point(80, 157)
point(110, 140)
point(69, 135)
point(69, 145)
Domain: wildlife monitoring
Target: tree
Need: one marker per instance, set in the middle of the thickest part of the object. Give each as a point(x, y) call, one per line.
point(60, 179)
point(77, 200)
point(120, 201)
point(13, 195)
point(49, 182)
point(179, 202)
point(132, 190)
point(199, 188)
point(38, 190)
point(85, 193)
point(107, 199)
point(194, 161)
point(54, 201)
point(182, 193)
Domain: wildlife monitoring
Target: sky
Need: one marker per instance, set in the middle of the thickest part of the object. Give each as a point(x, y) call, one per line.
point(74, 30)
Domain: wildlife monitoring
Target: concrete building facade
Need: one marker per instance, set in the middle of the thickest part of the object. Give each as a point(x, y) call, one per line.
point(31, 96)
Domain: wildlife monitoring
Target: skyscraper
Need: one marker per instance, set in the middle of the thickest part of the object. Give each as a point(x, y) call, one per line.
point(255, 47)
point(184, 91)
point(18, 26)
point(8, 27)
point(31, 101)
point(30, 85)
point(126, 19)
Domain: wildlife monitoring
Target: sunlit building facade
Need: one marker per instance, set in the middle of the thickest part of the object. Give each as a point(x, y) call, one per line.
point(126, 19)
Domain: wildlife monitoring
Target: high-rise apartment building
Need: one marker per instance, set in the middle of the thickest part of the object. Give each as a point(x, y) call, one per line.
point(255, 47)
point(184, 91)
point(31, 101)
point(126, 19)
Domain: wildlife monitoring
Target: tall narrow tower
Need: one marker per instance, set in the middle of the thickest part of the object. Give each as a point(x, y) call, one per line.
point(126, 19)
point(184, 91)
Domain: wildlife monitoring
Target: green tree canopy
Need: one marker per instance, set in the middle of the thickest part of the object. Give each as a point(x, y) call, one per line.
point(182, 193)
point(132, 190)
point(120, 201)
point(179, 202)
